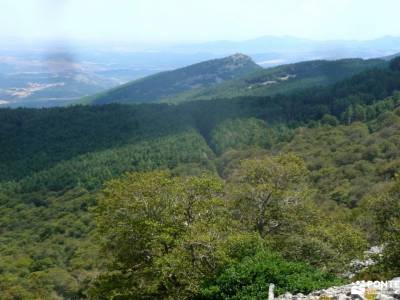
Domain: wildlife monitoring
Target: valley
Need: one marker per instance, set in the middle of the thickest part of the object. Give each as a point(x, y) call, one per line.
point(199, 150)
point(68, 72)
point(77, 181)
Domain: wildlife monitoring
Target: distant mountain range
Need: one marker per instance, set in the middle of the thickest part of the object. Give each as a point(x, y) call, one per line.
point(276, 50)
point(231, 77)
point(38, 76)
point(269, 51)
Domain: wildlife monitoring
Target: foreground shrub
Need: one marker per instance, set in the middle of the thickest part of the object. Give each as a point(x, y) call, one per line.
point(250, 278)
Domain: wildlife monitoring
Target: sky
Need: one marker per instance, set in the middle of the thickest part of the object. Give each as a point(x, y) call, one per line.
point(155, 21)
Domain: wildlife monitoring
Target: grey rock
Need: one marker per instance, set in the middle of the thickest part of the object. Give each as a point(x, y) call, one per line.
point(384, 290)
point(341, 297)
point(288, 296)
point(384, 297)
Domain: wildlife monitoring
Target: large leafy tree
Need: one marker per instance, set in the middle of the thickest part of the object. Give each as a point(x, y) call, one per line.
point(266, 189)
point(271, 195)
point(164, 234)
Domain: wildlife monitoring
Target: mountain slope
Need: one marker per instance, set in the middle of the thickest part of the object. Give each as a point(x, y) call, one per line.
point(171, 83)
point(234, 76)
point(284, 79)
point(390, 57)
point(55, 160)
point(78, 130)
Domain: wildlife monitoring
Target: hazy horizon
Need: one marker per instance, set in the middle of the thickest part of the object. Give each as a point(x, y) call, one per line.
point(105, 43)
point(120, 45)
point(189, 21)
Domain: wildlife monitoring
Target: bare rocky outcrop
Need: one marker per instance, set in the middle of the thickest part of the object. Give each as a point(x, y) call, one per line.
point(370, 290)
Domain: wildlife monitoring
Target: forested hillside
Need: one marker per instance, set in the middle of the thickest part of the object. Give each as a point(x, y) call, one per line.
point(167, 85)
point(201, 200)
point(232, 77)
point(284, 79)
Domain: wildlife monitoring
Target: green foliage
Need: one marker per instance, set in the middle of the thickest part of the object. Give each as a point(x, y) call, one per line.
point(329, 120)
point(213, 80)
point(92, 170)
point(164, 233)
point(385, 211)
point(327, 242)
point(45, 217)
point(54, 162)
point(266, 189)
point(241, 134)
point(284, 79)
point(347, 161)
point(250, 278)
point(167, 236)
point(45, 245)
point(272, 195)
point(35, 140)
point(53, 135)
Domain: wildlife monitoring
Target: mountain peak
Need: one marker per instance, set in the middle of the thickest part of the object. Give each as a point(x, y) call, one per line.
point(240, 61)
point(240, 57)
point(168, 85)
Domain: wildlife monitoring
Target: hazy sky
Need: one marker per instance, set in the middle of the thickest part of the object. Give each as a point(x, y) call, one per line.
point(198, 20)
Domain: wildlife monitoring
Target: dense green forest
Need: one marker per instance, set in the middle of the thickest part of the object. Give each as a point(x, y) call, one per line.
point(283, 79)
point(202, 200)
point(232, 77)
